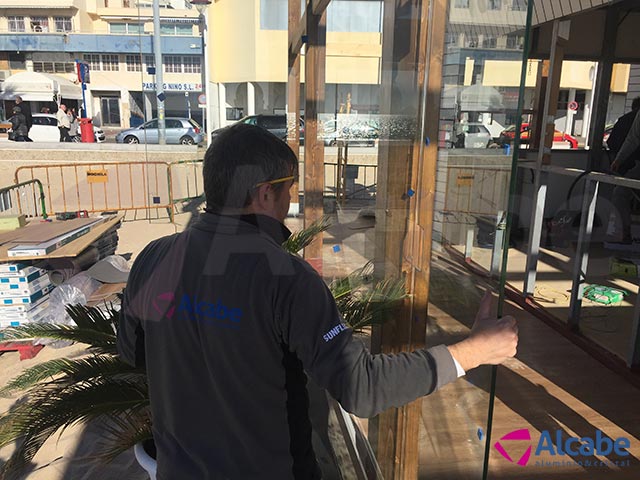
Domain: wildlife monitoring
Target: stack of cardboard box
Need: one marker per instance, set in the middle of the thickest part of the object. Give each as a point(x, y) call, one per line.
point(24, 294)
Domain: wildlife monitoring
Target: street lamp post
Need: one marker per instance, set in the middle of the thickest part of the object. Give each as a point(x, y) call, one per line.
point(157, 50)
point(202, 5)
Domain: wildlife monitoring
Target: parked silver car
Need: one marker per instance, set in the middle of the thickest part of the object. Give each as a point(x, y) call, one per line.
point(185, 131)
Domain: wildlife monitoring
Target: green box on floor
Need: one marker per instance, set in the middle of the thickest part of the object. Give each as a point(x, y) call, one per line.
point(623, 268)
point(12, 222)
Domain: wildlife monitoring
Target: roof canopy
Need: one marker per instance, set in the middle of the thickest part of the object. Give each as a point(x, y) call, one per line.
point(39, 87)
point(587, 37)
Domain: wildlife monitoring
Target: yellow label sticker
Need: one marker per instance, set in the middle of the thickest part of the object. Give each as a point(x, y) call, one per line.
point(97, 176)
point(464, 180)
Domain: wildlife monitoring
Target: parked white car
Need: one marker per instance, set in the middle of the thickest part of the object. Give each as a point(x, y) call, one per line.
point(473, 135)
point(45, 129)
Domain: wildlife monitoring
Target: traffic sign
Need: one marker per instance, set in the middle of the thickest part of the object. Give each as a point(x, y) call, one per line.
point(202, 99)
point(573, 106)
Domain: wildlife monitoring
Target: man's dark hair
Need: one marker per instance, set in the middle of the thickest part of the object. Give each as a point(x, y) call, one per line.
point(240, 157)
point(635, 105)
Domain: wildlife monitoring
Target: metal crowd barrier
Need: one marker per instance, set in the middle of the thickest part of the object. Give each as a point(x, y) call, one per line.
point(120, 186)
point(354, 182)
point(24, 198)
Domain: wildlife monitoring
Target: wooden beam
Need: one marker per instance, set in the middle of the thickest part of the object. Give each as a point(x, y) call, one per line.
point(293, 96)
point(412, 40)
point(602, 90)
point(296, 34)
point(315, 67)
point(319, 6)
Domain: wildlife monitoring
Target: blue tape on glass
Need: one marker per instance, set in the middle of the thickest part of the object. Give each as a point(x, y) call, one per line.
point(480, 434)
point(427, 141)
point(411, 193)
point(336, 248)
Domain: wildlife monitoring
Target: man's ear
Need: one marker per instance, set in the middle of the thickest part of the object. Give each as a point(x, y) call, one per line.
point(261, 198)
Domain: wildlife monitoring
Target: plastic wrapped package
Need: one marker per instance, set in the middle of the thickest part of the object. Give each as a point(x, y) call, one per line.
point(76, 290)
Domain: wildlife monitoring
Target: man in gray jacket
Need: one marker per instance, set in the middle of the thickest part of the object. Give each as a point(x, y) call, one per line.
point(228, 325)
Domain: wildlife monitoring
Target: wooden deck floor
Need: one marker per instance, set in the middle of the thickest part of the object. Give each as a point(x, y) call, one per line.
point(552, 385)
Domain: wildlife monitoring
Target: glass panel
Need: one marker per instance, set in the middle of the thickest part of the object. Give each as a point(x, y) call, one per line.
point(135, 28)
point(117, 28)
point(182, 29)
point(167, 29)
point(389, 141)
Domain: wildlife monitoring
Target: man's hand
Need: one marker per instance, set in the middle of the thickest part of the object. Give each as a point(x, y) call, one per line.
point(491, 342)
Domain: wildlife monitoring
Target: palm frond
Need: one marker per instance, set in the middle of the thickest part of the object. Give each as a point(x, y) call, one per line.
point(362, 302)
point(101, 341)
point(123, 432)
point(344, 286)
point(94, 318)
point(67, 371)
point(53, 408)
point(298, 240)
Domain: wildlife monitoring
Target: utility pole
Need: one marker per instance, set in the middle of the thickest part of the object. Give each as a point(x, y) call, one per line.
point(157, 50)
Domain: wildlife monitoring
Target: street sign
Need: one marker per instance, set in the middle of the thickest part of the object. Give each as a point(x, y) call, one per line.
point(573, 106)
point(202, 99)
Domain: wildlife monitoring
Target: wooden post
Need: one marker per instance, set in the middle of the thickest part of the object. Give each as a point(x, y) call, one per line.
point(293, 99)
point(315, 67)
point(561, 31)
point(603, 87)
point(535, 126)
point(406, 190)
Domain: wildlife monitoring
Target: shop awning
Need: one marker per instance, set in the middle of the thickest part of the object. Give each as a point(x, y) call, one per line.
point(39, 87)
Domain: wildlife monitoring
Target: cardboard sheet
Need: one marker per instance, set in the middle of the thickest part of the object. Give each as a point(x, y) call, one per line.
point(40, 232)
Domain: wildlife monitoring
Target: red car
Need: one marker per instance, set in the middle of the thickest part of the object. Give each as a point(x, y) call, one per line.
point(508, 134)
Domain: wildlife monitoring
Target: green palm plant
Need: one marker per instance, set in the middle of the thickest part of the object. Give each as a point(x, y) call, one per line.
point(98, 387)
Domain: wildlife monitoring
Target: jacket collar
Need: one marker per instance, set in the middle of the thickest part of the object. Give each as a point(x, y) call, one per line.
point(243, 225)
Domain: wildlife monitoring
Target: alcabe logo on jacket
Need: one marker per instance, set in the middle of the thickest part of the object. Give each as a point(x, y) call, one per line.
point(193, 309)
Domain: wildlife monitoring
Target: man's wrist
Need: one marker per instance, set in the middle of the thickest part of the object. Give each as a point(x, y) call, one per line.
point(462, 352)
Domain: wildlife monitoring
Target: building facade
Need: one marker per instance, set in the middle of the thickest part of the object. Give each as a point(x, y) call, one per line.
point(115, 37)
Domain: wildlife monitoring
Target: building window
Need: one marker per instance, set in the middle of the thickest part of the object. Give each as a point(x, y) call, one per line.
point(110, 63)
point(63, 24)
point(451, 39)
point(461, 4)
point(150, 60)
point(471, 40)
point(16, 24)
point(176, 29)
point(495, 4)
point(39, 24)
point(172, 64)
point(519, 5)
point(126, 28)
point(54, 67)
point(489, 42)
point(192, 64)
point(93, 59)
point(134, 64)
point(515, 42)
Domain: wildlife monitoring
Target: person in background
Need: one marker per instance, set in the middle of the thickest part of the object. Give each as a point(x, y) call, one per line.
point(45, 110)
point(25, 108)
point(18, 125)
point(625, 142)
point(74, 126)
point(63, 123)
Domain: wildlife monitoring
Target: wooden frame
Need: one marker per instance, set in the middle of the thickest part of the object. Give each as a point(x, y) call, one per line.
point(412, 43)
